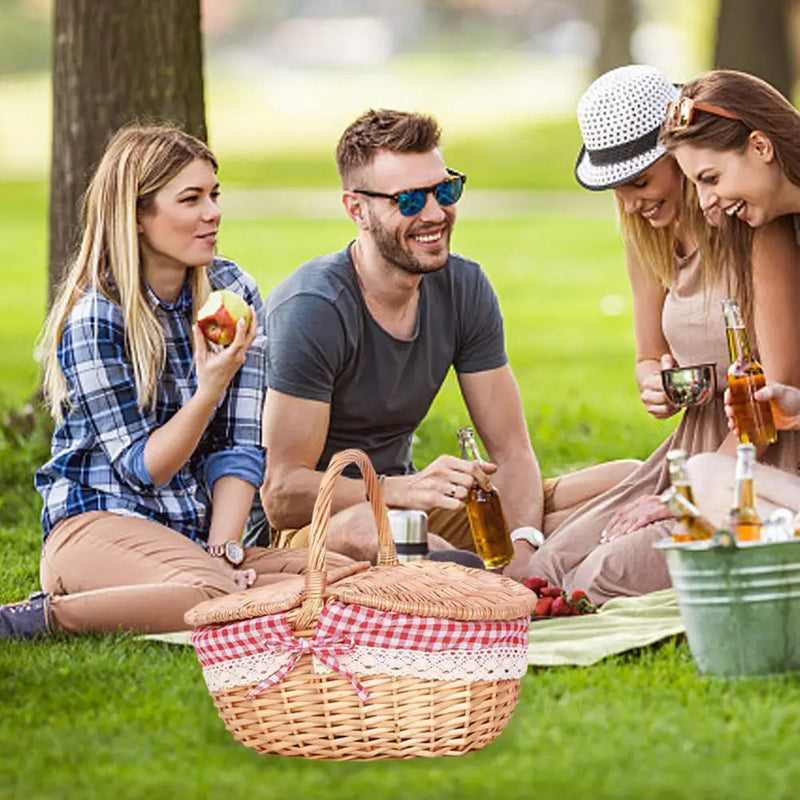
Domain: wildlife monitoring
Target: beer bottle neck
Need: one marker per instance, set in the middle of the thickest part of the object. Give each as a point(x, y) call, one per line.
point(744, 488)
point(686, 511)
point(678, 504)
point(678, 472)
point(468, 445)
point(739, 345)
point(738, 341)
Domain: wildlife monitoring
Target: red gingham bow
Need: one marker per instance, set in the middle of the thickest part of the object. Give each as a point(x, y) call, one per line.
point(325, 648)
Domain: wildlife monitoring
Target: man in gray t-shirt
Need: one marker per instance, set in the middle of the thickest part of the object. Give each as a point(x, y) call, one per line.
point(360, 341)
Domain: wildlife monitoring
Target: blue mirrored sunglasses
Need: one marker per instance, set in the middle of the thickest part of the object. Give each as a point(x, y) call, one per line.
point(412, 201)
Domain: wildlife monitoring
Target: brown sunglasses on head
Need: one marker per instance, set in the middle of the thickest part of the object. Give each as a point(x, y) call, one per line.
point(680, 113)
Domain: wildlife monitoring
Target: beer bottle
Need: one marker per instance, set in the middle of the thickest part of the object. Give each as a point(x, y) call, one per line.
point(697, 526)
point(486, 519)
point(679, 480)
point(745, 377)
point(745, 522)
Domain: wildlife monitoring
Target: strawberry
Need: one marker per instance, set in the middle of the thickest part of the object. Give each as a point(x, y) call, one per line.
point(561, 608)
point(534, 584)
point(543, 605)
point(551, 591)
point(580, 601)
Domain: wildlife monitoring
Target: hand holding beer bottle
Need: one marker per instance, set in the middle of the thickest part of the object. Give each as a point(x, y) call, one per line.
point(485, 512)
point(785, 403)
point(752, 417)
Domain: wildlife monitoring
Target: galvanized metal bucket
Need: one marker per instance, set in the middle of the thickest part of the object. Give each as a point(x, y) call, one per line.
point(740, 603)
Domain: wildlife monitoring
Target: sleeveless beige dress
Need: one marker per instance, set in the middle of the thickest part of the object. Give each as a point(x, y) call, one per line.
point(573, 557)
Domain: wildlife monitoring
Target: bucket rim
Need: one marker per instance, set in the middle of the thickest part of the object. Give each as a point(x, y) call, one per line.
point(709, 544)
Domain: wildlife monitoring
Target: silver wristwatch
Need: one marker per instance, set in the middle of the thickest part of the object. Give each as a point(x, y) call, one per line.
point(231, 551)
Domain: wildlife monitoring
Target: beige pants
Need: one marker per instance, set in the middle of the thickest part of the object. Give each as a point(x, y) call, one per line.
point(107, 572)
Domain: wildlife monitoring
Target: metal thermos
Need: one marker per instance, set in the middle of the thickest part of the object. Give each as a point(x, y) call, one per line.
point(410, 533)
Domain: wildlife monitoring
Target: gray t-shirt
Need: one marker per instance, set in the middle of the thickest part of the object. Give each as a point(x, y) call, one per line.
point(323, 344)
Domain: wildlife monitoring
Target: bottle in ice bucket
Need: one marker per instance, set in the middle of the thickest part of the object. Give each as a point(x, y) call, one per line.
point(745, 523)
point(745, 377)
point(679, 480)
point(485, 513)
point(697, 526)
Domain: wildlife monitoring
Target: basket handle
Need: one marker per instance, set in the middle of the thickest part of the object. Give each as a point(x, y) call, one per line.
point(315, 575)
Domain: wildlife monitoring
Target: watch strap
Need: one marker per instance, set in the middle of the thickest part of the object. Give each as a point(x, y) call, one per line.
point(528, 533)
point(232, 551)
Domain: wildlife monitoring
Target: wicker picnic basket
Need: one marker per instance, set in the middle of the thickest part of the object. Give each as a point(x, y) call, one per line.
point(393, 661)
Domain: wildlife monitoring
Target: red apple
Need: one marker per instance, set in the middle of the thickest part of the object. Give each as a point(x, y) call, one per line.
point(220, 313)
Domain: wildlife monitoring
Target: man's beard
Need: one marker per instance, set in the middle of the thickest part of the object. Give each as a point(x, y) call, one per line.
point(390, 246)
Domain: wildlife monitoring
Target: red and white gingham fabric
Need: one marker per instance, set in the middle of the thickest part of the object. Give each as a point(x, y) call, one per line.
point(372, 628)
point(366, 627)
point(264, 650)
point(216, 643)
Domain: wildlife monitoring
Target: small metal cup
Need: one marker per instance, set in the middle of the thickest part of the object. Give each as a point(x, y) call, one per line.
point(410, 533)
point(690, 386)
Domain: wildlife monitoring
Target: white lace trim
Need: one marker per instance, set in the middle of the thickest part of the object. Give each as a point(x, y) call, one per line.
point(488, 664)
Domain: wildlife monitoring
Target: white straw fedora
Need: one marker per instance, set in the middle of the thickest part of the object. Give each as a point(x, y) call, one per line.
point(620, 117)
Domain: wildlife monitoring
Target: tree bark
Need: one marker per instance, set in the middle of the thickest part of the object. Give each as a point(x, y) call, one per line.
point(615, 26)
point(754, 37)
point(115, 63)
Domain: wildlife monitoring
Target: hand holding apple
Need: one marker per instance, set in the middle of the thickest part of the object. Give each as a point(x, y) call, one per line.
point(216, 365)
point(219, 314)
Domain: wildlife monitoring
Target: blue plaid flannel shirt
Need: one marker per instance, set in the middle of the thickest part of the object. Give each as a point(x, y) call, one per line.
point(98, 451)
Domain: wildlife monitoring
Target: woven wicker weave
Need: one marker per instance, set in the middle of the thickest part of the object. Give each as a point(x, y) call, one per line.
point(320, 716)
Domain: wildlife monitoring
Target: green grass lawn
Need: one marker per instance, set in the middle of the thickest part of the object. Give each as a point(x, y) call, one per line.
point(112, 717)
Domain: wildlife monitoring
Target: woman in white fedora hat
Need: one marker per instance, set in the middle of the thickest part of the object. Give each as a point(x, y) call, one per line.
point(678, 277)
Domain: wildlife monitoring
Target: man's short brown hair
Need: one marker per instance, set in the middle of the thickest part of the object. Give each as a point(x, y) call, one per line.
point(384, 129)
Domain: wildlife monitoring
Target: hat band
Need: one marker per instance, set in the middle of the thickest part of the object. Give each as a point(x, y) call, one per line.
point(625, 151)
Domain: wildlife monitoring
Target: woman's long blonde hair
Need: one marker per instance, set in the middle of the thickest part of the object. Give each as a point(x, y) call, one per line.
point(137, 162)
point(724, 250)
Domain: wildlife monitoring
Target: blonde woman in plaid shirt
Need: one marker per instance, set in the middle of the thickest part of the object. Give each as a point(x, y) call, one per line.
point(156, 454)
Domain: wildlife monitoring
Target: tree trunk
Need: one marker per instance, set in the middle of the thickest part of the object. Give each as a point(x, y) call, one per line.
point(115, 63)
point(615, 26)
point(754, 37)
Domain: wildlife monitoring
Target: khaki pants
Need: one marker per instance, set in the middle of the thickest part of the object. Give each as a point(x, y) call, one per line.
point(107, 572)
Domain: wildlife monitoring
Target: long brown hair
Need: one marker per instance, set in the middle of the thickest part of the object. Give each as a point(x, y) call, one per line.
point(758, 106)
point(137, 162)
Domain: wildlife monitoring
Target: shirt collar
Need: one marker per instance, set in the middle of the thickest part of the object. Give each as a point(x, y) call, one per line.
point(183, 303)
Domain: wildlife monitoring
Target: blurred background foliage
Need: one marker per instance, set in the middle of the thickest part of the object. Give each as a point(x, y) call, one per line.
point(281, 75)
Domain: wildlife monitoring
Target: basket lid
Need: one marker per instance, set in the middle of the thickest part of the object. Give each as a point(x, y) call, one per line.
point(436, 589)
point(419, 588)
point(261, 601)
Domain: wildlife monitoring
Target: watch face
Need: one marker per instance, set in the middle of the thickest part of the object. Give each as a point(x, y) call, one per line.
point(234, 553)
